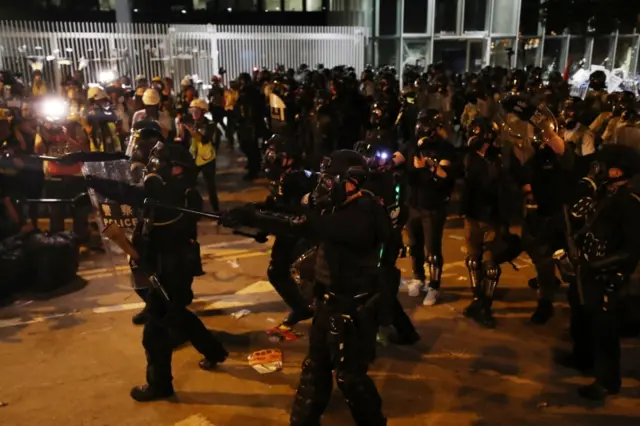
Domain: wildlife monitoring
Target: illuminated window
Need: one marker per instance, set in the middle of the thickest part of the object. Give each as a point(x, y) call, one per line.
point(107, 5)
point(199, 4)
point(293, 5)
point(271, 5)
point(446, 15)
point(314, 5)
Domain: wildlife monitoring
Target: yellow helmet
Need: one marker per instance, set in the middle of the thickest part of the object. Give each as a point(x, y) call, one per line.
point(96, 93)
point(151, 97)
point(156, 79)
point(199, 103)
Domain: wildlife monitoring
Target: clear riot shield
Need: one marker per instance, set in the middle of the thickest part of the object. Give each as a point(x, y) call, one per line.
point(110, 211)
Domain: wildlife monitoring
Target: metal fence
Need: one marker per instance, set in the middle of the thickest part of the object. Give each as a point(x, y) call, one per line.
point(60, 48)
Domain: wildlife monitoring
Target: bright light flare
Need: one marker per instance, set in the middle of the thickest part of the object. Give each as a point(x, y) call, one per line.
point(54, 109)
point(106, 76)
point(383, 155)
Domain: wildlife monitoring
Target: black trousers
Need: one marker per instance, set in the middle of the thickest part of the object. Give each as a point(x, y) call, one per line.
point(541, 237)
point(230, 130)
point(346, 346)
point(284, 252)
point(209, 173)
point(248, 138)
point(391, 310)
point(595, 331)
point(425, 229)
point(167, 317)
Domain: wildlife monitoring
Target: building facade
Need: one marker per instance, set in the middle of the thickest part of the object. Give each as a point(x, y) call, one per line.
point(471, 34)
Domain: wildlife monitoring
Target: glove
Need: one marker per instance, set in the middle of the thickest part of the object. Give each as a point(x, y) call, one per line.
point(238, 216)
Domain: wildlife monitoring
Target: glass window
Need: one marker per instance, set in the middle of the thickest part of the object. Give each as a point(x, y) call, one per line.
point(529, 17)
point(476, 56)
point(293, 5)
point(577, 50)
point(314, 5)
point(446, 15)
point(337, 5)
point(415, 16)
point(501, 53)
point(245, 5)
point(271, 5)
point(107, 5)
point(414, 52)
point(388, 17)
point(387, 52)
point(528, 52)
point(452, 53)
point(552, 55)
point(624, 54)
point(503, 17)
point(601, 50)
point(475, 15)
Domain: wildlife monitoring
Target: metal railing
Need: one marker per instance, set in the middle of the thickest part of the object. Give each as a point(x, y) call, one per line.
point(60, 48)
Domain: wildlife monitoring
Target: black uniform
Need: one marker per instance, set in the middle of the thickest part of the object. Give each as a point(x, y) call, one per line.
point(609, 251)
point(387, 185)
point(543, 231)
point(250, 114)
point(286, 197)
point(485, 225)
point(428, 199)
point(342, 337)
point(166, 248)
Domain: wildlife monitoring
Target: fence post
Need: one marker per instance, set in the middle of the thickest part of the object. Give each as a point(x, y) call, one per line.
point(53, 41)
point(213, 31)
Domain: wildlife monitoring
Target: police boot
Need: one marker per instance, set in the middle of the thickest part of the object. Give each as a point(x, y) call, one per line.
point(475, 281)
point(484, 316)
point(141, 318)
point(148, 393)
point(434, 264)
point(543, 312)
point(596, 392)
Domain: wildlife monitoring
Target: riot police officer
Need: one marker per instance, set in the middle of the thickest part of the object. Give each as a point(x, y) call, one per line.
point(485, 223)
point(350, 225)
point(288, 185)
point(386, 181)
point(607, 209)
point(250, 107)
point(430, 175)
point(164, 241)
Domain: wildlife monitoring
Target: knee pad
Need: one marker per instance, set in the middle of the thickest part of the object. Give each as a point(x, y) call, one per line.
point(435, 260)
point(473, 263)
point(492, 270)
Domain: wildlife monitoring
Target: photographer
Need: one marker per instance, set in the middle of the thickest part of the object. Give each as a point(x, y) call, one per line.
point(430, 176)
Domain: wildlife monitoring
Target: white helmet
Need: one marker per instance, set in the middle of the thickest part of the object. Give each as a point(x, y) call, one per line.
point(96, 93)
point(151, 97)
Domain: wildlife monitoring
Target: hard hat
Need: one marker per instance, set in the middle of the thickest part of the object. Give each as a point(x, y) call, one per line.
point(199, 103)
point(156, 79)
point(151, 97)
point(96, 93)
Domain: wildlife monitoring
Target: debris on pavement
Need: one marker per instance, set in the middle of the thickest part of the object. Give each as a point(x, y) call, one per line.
point(543, 405)
point(283, 333)
point(272, 320)
point(241, 313)
point(461, 278)
point(233, 263)
point(3, 404)
point(456, 237)
point(266, 361)
point(195, 420)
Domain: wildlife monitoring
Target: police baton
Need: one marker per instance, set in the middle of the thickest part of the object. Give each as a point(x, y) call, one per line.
point(260, 237)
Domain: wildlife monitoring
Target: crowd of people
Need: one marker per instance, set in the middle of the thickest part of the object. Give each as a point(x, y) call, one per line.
point(352, 162)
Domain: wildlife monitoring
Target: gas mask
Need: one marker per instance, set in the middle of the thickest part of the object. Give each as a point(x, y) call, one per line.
point(273, 163)
point(341, 168)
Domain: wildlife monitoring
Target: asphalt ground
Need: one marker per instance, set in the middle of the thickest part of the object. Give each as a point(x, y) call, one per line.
point(70, 358)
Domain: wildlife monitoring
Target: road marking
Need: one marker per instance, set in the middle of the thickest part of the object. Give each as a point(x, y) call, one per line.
point(195, 420)
point(257, 292)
